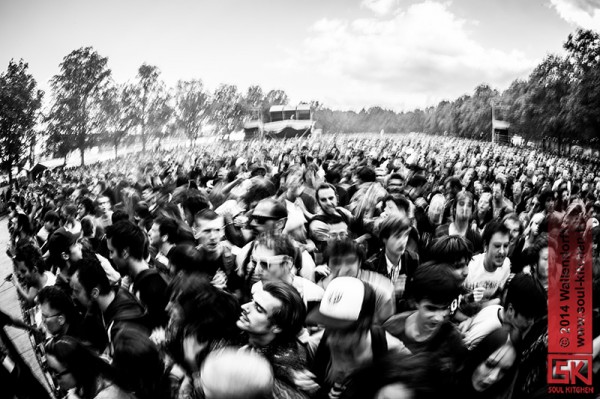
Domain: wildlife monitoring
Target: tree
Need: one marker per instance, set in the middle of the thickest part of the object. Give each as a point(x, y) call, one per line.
point(20, 102)
point(77, 90)
point(226, 109)
point(191, 107)
point(150, 107)
point(115, 117)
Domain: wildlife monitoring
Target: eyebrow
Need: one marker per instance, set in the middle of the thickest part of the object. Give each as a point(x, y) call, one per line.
point(260, 307)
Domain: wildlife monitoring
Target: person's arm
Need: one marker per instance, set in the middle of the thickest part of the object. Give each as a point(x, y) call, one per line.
point(26, 294)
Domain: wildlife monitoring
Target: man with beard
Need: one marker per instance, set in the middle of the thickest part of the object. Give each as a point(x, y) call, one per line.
point(500, 204)
point(128, 246)
point(327, 198)
point(428, 328)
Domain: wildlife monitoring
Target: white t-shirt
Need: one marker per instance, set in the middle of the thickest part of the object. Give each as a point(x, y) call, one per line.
point(479, 277)
point(483, 323)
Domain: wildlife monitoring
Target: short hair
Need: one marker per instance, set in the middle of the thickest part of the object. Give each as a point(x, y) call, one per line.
point(393, 224)
point(400, 200)
point(58, 299)
point(281, 244)
point(436, 282)
point(492, 228)
point(207, 214)
point(325, 186)
point(119, 215)
point(345, 247)
point(291, 315)
point(499, 181)
point(168, 227)
point(513, 217)
point(526, 296)
point(31, 256)
point(545, 196)
point(464, 195)
point(366, 174)
point(126, 234)
point(185, 258)
point(455, 183)
point(91, 274)
point(24, 223)
point(52, 217)
point(88, 205)
point(195, 202)
point(451, 249)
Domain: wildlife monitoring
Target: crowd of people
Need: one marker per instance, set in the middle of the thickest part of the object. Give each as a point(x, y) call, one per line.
point(331, 267)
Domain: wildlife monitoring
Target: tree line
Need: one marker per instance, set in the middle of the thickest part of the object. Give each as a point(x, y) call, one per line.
point(559, 101)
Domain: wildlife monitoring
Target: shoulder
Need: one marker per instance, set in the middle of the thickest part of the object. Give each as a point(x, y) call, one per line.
point(394, 344)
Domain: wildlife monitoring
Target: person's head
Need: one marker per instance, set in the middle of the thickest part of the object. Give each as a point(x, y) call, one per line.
point(139, 363)
point(104, 204)
point(268, 215)
point(344, 258)
point(395, 183)
point(326, 195)
point(277, 311)
point(544, 254)
point(29, 263)
point(524, 300)
point(547, 201)
point(346, 311)
point(394, 232)
point(89, 281)
point(396, 204)
point(164, 230)
point(23, 225)
point(57, 308)
point(252, 373)
point(185, 258)
point(126, 242)
point(208, 230)
point(513, 223)
point(452, 186)
point(490, 366)
point(435, 210)
point(464, 206)
point(435, 290)
point(498, 189)
point(51, 221)
point(496, 238)
point(455, 251)
point(396, 375)
point(74, 365)
point(273, 256)
point(86, 207)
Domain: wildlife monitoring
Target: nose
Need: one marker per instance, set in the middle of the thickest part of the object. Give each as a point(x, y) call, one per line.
point(493, 376)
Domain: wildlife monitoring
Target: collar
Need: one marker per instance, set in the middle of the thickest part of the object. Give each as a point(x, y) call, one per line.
point(390, 266)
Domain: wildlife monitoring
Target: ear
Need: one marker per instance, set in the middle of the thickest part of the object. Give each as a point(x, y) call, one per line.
point(125, 253)
point(65, 256)
point(275, 329)
point(95, 293)
point(62, 320)
point(280, 224)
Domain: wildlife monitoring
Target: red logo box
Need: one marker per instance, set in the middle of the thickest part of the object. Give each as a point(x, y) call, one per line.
point(570, 369)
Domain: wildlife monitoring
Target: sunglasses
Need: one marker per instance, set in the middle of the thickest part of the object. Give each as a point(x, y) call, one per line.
point(262, 219)
point(267, 264)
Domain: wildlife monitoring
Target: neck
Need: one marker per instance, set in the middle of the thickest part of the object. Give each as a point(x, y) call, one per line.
point(104, 301)
point(260, 341)
point(394, 258)
point(488, 265)
point(165, 248)
point(461, 225)
point(137, 266)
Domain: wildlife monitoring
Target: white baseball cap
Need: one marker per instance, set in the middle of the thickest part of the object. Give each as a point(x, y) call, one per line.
point(346, 301)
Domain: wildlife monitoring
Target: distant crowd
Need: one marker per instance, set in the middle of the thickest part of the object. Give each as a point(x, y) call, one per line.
point(331, 267)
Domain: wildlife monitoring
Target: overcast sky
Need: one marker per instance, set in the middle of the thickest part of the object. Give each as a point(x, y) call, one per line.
point(347, 54)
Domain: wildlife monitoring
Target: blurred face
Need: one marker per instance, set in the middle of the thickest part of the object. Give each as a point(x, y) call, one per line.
point(497, 191)
point(256, 315)
point(395, 186)
point(464, 209)
point(430, 316)
point(397, 390)
point(24, 273)
point(208, 233)
point(515, 228)
point(154, 235)
point(460, 269)
point(260, 224)
point(493, 368)
point(396, 243)
point(75, 252)
point(392, 208)
point(60, 373)
point(327, 201)
point(269, 266)
point(344, 340)
point(344, 266)
point(497, 250)
point(535, 224)
point(517, 189)
point(338, 231)
point(104, 205)
point(484, 203)
point(118, 259)
point(53, 320)
point(79, 292)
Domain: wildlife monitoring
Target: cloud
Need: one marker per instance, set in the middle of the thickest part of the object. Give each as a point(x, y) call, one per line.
point(415, 57)
point(583, 13)
point(380, 7)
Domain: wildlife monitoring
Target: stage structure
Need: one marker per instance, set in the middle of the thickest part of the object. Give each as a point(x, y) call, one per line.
point(284, 121)
point(500, 126)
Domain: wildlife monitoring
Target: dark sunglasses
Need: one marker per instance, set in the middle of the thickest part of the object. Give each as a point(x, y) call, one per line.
point(262, 219)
